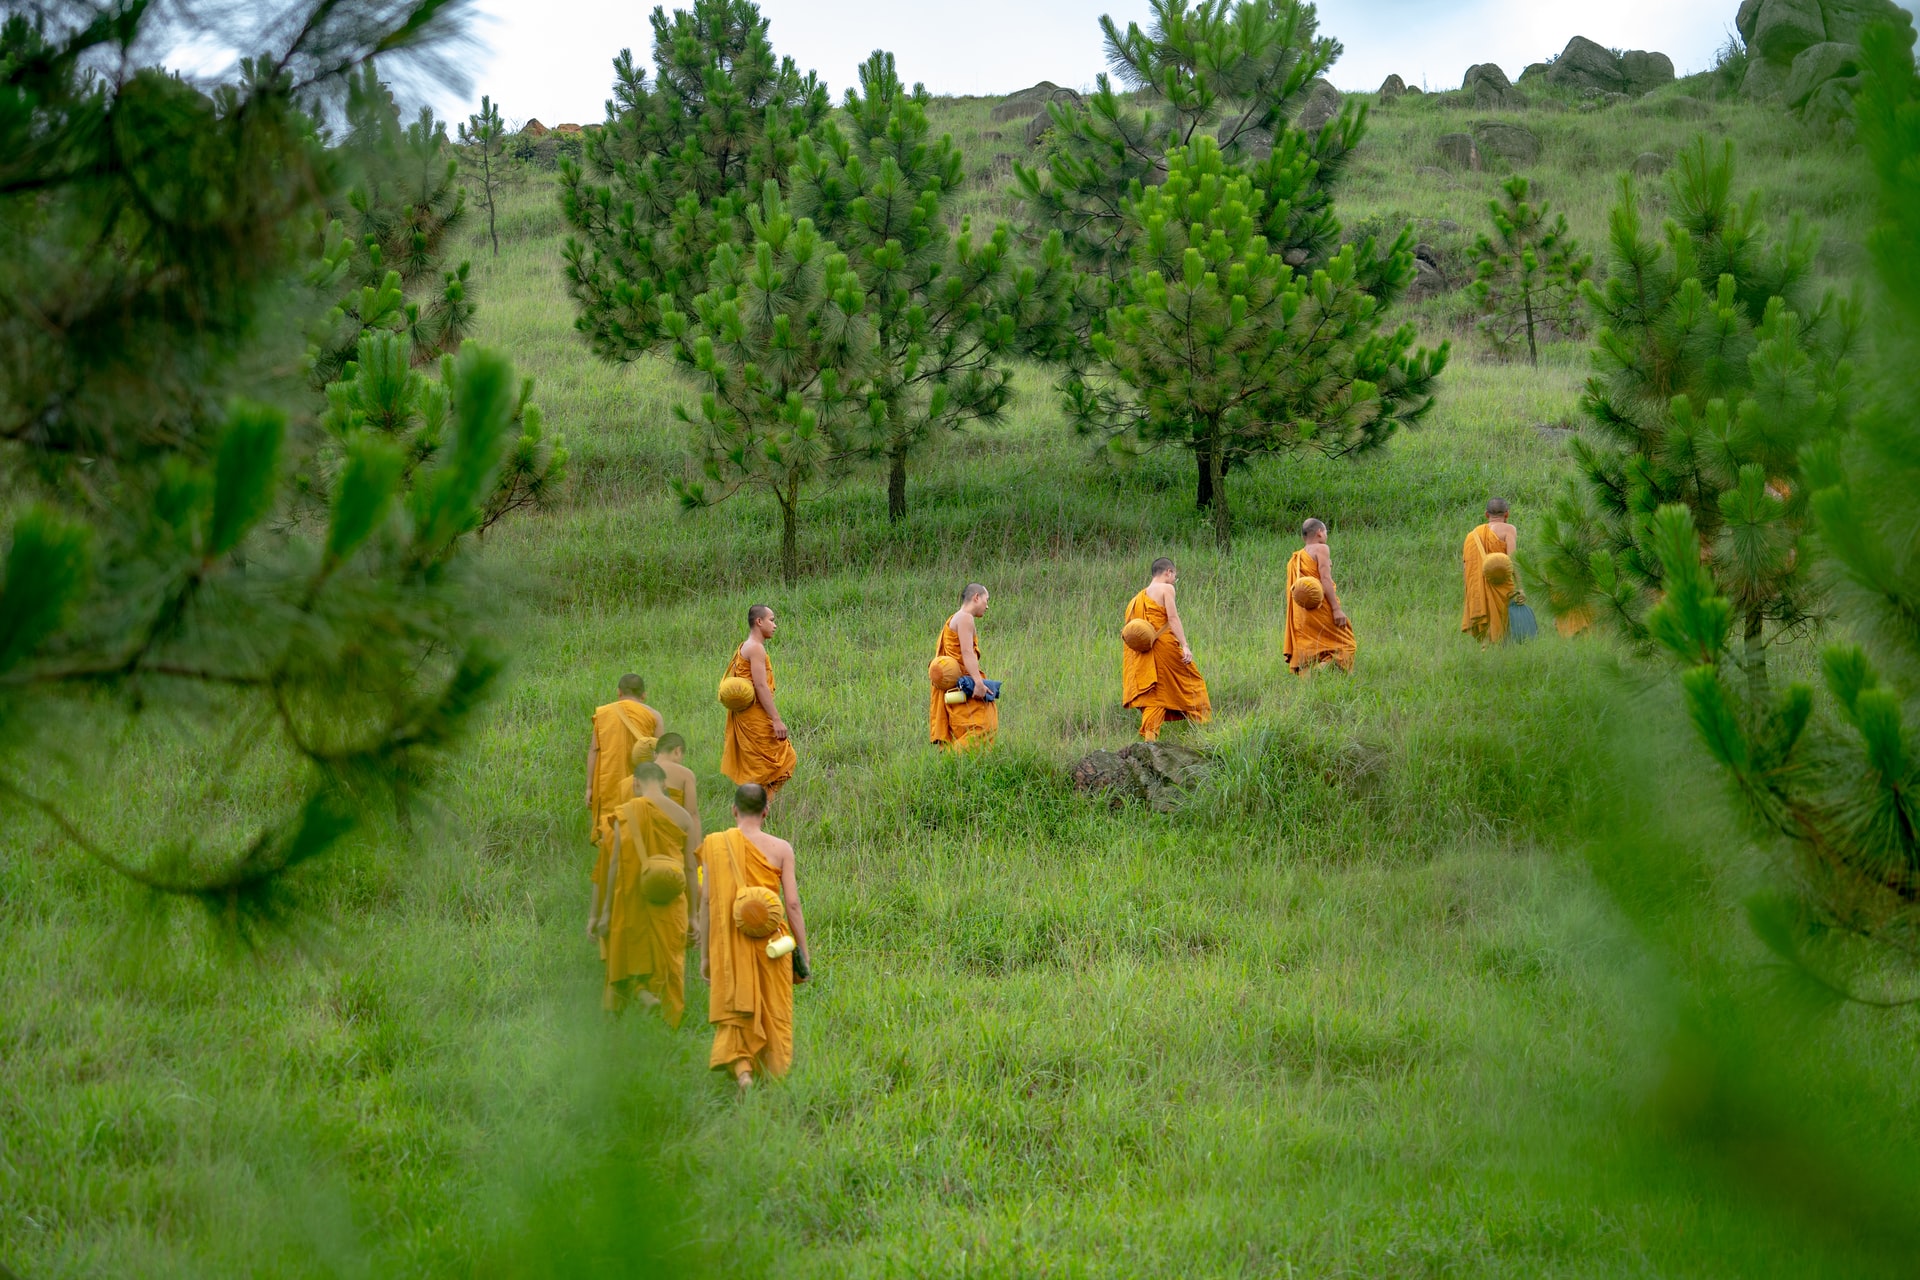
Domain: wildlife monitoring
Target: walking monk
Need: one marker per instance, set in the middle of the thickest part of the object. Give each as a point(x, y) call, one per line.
point(976, 720)
point(670, 753)
point(618, 727)
point(757, 748)
point(1161, 682)
point(1485, 615)
point(640, 913)
point(1318, 629)
point(750, 902)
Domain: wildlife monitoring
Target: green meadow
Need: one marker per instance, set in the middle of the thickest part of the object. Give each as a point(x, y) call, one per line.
point(1364, 1006)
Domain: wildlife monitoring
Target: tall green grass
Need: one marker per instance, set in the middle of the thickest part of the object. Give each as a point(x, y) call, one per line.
point(1358, 1008)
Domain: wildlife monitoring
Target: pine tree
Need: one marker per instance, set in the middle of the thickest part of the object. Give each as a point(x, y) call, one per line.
point(485, 137)
point(1223, 347)
point(1839, 785)
point(947, 310)
point(1530, 272)
point(1239, 71)
point(382, 397)
point(382, 257)
point(677, 167)
point(161, 575)
point(1716, 370)
point(784, 347)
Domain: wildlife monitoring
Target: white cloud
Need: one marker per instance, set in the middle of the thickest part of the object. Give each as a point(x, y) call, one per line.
point(551, 58)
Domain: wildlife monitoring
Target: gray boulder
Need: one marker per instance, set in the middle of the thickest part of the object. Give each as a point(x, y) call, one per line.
point(1817, 64)
point(1586, 65)
point(1831, 108)
point(1782, 28)
point(1323, 104)
point(1511, 142)
point(1764, 81)
point(1646, 71)
point(1026, 101)
point(1846, 19)
point(1392, 89)
point(1535, 71)
point(1487, 73)
point(1744, 20)
point(1457, 149)
point(1156, 774)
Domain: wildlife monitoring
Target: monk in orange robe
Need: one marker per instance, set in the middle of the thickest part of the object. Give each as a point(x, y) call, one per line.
point(757, 747)
point(1485, 615)
point(618, 727)
point(1324, 633)
point(646, 943)
point(976, 720)
point(751, 1002)
point(670, 753)
point(1162, 684)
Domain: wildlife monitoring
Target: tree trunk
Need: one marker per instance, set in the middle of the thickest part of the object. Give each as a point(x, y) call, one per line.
point(1753, 664)
point(897, 482)
point(487, 165)
point(1203, 487)
point(790, 539)
point(1533, 352)
point(1217, 482)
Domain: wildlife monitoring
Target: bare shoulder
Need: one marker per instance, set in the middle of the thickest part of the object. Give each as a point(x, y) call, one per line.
point(1160, 593)
point(1321, 552)
point(753, 648)
point(961, 622)
point(776, 851)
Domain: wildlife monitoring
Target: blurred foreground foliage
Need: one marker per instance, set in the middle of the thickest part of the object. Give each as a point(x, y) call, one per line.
point(167, 569)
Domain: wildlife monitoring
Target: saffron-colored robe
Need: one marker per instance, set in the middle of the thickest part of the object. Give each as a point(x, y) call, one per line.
point(1485, 614)
point(616, 727)
point(750, 752)
point(1312, 635)
point(646, 942)
point(972, 722)
point(1157, 683)
point(751, 999)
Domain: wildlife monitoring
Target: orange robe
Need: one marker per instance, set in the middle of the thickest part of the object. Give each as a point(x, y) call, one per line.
point(1312, 636)
point(970, 723)
point(751, 753)
point(616, 727)
point(1485, 614)
point(1157, 683)
point(751, 1000)
point(647, 942)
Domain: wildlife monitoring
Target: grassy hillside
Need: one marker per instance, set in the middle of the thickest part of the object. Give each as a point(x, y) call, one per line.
point(1358, 1009)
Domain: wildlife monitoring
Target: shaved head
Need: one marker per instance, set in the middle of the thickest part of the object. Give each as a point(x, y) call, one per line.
point(749, 798)
point(669, 742)
point(1160, 566)
point(755, 613)
point(1313, 527)
point(649, 772)
point(633, 686)
point(971, 592)
point(1497, 507)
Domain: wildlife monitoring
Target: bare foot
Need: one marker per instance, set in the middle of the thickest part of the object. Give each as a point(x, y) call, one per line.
point(744, 1079)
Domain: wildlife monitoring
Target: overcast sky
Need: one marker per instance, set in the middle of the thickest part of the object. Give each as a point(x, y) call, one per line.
point(550, 59)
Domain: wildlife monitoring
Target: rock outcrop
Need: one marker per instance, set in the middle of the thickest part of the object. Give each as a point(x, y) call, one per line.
point(1323, 104)
point(1583, 64)
point(1458, 151)
point(1156, 774)
point(1510, 142)
point(1025, 102)
point(1392, 89)
point(1805, 54)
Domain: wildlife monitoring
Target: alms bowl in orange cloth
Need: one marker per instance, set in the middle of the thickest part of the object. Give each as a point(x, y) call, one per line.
point(1138, 635)
point(662, 881)
point(758, 911)
point(945, 672)
point(1308, 593)
point(1497, 569)
point(736, 693)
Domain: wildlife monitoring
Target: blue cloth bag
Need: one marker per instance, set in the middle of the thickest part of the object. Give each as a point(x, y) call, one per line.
point(1520, 624)
point(993, 688)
